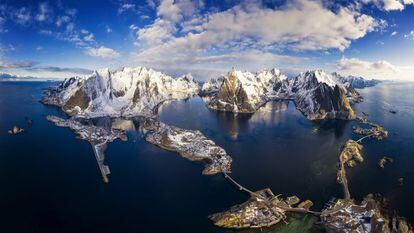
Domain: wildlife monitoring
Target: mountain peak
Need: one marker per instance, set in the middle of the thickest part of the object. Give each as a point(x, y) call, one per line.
point(123, 92)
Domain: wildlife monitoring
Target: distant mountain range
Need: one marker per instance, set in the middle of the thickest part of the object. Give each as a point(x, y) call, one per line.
point(12, 77)
point(6, 76)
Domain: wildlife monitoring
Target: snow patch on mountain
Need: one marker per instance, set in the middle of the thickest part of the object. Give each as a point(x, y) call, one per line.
point(356, 82)
point(124, 92)
point(212, 86)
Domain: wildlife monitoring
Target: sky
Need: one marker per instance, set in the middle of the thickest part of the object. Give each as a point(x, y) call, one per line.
point(60, 39)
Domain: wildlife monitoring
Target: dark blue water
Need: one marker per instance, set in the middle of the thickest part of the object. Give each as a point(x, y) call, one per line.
point(51, 183)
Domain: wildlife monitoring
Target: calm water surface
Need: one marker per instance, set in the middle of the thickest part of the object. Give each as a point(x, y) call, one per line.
point(51, 183)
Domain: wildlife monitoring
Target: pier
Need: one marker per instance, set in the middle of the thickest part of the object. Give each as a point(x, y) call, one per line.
point(98, 150)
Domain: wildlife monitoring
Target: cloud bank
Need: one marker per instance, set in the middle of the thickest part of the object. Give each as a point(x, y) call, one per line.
point(103, 52)
point(389, 5)
point(181, 35)
point(374, 70)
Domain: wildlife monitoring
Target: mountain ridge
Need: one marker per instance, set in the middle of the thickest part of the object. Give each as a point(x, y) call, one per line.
point(138, 91)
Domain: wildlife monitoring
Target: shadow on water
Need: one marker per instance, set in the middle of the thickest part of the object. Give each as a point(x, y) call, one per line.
point(233, 124)
point(337, 126)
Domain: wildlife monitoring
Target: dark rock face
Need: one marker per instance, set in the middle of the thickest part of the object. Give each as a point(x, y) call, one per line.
point(317, 95)
point(325, 103)
point(232, 96)
point(232, 92)
point(341, 104)
point(244, 92)
point(79, 99)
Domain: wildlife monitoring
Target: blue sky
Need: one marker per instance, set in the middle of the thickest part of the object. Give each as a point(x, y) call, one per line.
point(58, 39)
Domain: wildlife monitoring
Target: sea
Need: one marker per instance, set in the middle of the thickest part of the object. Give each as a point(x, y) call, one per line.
point(50, 181)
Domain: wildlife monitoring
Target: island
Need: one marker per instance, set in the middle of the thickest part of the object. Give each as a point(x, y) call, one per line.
point(15, 130)
point(190, 144)
point(370, 215)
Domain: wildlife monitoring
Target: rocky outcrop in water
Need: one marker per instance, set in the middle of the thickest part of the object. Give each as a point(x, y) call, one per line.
point(351, 152)
point(120, 93)
point(384, 160)
point(375, 130)
point(15, 130)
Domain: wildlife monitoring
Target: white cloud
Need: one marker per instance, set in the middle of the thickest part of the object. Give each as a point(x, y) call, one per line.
point(57, 69)
point(44, 12)
point(22, 15)
point(71, 12)
point(133, 27)
point(151, 3)
point(103, 52)
point(89, 37)
point(46, 32)
point(156, 34)
point(70, 27)
point(2, 21)
point(16, 64)
point(108, 29)
point(169, 11)
point(189, 7)
point(389, 5)
point(126, 7)
point(62, 19)
point(410, 35)
point(393, 33)
point(173, 39)
point(377, 69)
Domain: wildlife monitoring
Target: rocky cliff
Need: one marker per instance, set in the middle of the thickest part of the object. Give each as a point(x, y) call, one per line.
point(317, 95)
point(245, 92)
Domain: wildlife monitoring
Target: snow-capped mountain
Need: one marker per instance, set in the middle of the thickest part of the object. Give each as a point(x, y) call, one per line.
point(124, 92)
point(246, 92)
point(138, 91)
point(212, 86)
point(356, 82)
point(318, 95)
